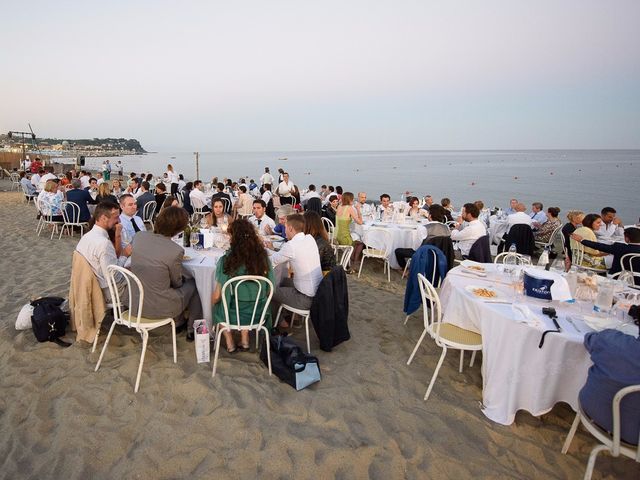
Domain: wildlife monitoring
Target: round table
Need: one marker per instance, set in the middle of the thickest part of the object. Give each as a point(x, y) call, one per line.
point(403, 235)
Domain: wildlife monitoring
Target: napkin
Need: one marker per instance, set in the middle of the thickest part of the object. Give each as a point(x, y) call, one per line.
point(525, 315)
point(207, 239)
point(559, 290)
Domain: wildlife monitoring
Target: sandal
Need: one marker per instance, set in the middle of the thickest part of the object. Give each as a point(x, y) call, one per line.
point(243, 348)
point(232, 350)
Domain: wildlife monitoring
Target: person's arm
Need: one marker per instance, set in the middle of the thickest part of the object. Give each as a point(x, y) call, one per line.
point(175, 271)
point(602, 247)
point(285, 254)
point(356, 215)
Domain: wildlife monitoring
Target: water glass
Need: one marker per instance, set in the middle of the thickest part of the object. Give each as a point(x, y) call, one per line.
point(604, 298)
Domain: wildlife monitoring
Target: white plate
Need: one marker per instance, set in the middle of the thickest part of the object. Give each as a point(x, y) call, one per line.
point(601, 323)
point(498, 297)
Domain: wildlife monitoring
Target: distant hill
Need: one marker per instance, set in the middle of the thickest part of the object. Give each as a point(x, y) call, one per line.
point(107, 144)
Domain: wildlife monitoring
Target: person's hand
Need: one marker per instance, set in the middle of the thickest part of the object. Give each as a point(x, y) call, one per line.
point(459, 221)
point(127, 251)
point(577, 238)
point(617, 221)
point(268, 230)
point(118, 228)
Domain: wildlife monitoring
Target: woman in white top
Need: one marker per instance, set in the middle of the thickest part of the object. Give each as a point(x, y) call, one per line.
point(172, 178)
point(244, 205)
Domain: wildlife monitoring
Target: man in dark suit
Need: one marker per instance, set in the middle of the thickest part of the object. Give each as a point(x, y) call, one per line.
point(617, 249)
point(220, 194)
point(82, 198)
point(144, 198)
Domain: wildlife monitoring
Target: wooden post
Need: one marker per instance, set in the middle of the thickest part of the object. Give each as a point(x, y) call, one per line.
point(197, 154)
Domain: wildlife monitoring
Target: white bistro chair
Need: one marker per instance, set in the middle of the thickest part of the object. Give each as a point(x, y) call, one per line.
point(347, 251)
point(257, 323)
point(15, 181)
point(501, 258)
point(129, 318)
point(198, 209)
point(552, 239)
point(431, 276)
point(577, 257)
point(71, 216)
point(379, 242)
point(46, 218)
point(147, 213)
point(330, 228)
point(608, 441)
point(445, 335)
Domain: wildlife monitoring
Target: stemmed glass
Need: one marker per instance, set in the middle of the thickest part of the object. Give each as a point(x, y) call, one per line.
point(194, 238)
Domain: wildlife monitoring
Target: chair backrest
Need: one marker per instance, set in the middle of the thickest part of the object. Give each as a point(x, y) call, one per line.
point(577, 253)
point(241, 286)
point(630, 263)
point(522, 236)
point(70, 213)
point(197, 204)
point(15, 177)
point(180, 197)
point(451, 224)
point(431, 274)
point(315, 205)
point(431, 307)
point(330, 228)
point(520, 259)
point(130, 316)
point(379, 239)
point(557, 232)
point(346, 256)
point(227, 204)
point(480, 251)
point(44, 210)
point(148, 210)
point(616, 421)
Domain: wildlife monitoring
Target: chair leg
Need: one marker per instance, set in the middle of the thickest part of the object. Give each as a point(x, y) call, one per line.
point(360, 269)
point(406, 319)
point(257, 338)
point(592, 460)
point(473, 358)
point(461, 361)
point(572, 432)
point(435, 373)
point(268, 349)
point(306, 327)
point(386, 262)
point(415, 349)
point(145, 339)
point(95, 341)
point(217, 350)
point(275, 323)
point(173, 334)
point(104, 348)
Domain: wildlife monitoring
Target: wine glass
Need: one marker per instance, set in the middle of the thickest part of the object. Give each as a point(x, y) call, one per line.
point(126, 237)
point(194, 238)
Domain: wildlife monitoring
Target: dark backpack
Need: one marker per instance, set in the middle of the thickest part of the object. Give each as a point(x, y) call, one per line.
point(48, 321)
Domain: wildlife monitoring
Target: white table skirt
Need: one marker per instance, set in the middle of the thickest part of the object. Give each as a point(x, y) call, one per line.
point(402, 236)
point(516, 374)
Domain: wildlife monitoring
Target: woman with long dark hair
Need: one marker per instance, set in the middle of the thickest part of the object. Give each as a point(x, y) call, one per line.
point(247, 256)
point(313, 226)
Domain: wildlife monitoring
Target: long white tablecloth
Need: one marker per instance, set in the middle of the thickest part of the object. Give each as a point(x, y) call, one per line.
point(516, 374)
point(402, 236)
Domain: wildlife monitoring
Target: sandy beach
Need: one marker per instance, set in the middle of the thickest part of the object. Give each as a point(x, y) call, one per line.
point(366, 419)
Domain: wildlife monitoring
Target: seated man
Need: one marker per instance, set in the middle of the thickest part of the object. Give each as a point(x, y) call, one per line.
point(385, 209)
point(197, 196)
point(435, 228)
point(27, 187)
point(311, 193)
point(472, 232)
point(364, 208)
point(134, 188)
point(131, 223)
point(80, 197)
point(428, 201)
point(35, 179)
point(538, 217)
point(145, 197)
point(611, 224)
point(617, 249)
point(616, 364)
point(260, 219)
point(101, 250)
point(512, 206)
point(301, 251)
point(519, 217)
point(49, 175)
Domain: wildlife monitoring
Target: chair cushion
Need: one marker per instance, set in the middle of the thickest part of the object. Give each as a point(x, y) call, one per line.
point(452, 333)
point(125, 316)
point(374, 252)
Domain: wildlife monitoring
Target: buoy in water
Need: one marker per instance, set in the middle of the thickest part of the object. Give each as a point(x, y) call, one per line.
point(515, 178)
point(473, 183)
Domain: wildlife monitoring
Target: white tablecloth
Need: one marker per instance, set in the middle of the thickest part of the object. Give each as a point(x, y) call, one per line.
point(497, 228)
point(402, 236)
point(202, 268)
point(516, 374)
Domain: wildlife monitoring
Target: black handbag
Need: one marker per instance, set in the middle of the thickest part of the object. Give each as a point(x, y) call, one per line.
point(289, 362)
point(48, 321)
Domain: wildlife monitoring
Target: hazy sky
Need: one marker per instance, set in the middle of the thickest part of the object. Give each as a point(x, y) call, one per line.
point(325, 75)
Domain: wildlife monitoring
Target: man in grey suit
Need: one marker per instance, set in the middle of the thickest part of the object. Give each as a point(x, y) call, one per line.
point(157, 262)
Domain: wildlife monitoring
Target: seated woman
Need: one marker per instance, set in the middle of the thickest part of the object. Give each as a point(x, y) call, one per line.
point(104, 194)
point(157, 262)
point(116, 188)
point(446, 204)
point(160, 194)
point(217, 217)
point(543, 234)
point(246, 256)
point(170, 201)
point(437, 219)
point(575, 218)
point(51, 199)
point(346, 214)
point(415, 212)
point(313, 226)
point(592, 258)
point(330, 209)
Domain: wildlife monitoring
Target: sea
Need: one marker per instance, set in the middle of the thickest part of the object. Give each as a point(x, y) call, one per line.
point(586, 180)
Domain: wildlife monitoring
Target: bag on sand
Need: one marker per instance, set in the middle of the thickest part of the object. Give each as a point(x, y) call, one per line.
point(48, 321)
point(290, 363)
point(202, 344)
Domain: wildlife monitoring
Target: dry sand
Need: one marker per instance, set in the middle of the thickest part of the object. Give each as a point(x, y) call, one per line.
point(366, 419)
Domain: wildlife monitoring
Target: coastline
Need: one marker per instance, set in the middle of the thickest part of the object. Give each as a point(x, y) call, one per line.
point(366, 419)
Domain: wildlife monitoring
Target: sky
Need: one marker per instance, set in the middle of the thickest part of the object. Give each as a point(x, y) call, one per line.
point(254, 75)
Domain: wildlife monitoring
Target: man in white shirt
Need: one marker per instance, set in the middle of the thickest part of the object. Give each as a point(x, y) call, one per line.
point(285, 188)
point(537, 215)
point(310, 194)
point(363, 207)
point(35, 179)
point(259, 218)
point(266, 177)
point(266, 194)
point(301, 251)
point(99, 179)
point(474, 230)
point(134, 188)
point(96, 247)
point(130, 222)
point(27, 164)
point(611, 225)
point(84, 179)
point(386, 207)
point(46, 177)
point(197, 196)
point(519, 217)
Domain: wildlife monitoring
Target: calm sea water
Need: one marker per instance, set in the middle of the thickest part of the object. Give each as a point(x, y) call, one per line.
point(570, 179)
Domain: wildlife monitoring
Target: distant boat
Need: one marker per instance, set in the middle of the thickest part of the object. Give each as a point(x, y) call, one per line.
point(283, 158)
point(172, 158)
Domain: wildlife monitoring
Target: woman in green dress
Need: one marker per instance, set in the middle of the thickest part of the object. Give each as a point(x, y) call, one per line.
point(246, 256)
point(346, 214)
